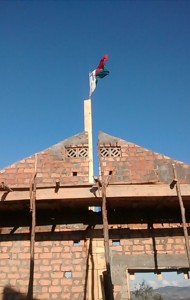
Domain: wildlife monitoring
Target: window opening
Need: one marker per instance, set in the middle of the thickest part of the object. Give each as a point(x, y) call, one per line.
point(115, 242)
point(76, 243)
point(68, 274)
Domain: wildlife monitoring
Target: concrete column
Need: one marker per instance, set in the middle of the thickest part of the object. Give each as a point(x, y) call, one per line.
point(88, 128)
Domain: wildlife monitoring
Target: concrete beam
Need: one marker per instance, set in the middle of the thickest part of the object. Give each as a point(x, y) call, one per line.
point(149, 262)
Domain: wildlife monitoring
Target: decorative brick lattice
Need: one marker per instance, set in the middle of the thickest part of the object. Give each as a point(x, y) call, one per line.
point(76, 152)
point(82, 152)
point(110, 151)
point(71, 152)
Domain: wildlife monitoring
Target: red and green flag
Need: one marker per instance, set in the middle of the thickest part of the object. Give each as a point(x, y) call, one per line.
point(99, 72)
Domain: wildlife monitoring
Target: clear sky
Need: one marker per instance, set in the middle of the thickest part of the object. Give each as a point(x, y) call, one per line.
point(168, 279)
point(47, 49)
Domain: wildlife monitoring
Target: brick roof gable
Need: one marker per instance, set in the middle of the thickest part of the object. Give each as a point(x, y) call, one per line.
point(136, 164)
point(52, 164)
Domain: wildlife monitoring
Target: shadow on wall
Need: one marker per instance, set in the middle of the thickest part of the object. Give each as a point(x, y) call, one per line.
point(10, 293)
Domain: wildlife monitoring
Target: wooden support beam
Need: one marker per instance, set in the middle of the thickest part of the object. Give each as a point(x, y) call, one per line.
point(186, 275)
point(5, 187)
point(102, 185)
point(128, 285)
point(106, 243)
point(182, 208)
point(132, 276)
point(33, 227)
point(122, 192)
point(159, 276)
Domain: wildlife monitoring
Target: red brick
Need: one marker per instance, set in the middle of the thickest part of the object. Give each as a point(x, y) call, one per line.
point(4, 255)
point(66, 281)
point(45, 255)
point(56, 249)
point(55, 282)
point(66, 296)
point(138, 248)
point(55, 289)
point(77, 289)
point(77, 274)
point(13, 275)
point(45, 268)
point(44, 289)
point(8, 243)
point(57, 274)
point(45, 282)
point(66, 255)
point(56, 267)
point(24, 255)
point(42, 296)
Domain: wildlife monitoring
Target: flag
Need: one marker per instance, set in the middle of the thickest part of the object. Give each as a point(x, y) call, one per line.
point(99, 72)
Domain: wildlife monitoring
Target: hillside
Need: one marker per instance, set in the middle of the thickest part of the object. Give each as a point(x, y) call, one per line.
point(174, 293)
point(167, 293)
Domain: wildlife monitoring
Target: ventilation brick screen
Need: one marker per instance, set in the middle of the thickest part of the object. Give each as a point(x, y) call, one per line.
point(76, 152)
point(110, 151)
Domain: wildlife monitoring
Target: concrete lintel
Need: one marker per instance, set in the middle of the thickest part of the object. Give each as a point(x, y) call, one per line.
point(149, 262)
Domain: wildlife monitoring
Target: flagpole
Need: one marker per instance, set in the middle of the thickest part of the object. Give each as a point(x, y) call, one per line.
point(88, 129)
point(89, 87)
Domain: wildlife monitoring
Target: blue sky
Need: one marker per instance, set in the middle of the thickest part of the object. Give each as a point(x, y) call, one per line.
point(49, 47)
point(168, 279)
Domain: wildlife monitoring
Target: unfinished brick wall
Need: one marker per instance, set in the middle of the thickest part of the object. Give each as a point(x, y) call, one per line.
point(66, 161)
point(131, 163)
point(136, 248)
point(69, 259)
point(70, 262)
point(60, 264)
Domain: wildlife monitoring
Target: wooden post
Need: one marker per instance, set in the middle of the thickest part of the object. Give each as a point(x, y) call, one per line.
point(128, 286)
point(103, 183)
point(109, 291)
point(33, 219)
point(182, 208)
point(33, 226)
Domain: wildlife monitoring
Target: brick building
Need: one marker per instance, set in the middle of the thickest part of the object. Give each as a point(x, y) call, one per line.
point(55, 245)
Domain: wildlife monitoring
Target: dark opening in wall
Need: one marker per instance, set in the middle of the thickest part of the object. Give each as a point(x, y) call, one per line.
point(68, 274)
point(115, 242)
point(76, 243)
point(74, 173)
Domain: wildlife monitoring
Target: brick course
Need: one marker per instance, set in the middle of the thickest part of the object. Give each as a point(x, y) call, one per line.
point(64, 269)
point(51, 263)
point(52, 165)
point(137, 164)
point(55, 257)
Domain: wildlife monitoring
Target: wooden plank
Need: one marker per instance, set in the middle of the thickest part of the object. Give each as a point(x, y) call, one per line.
point(113, 192)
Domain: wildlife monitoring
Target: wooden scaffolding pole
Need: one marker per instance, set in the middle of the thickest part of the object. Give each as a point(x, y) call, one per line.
point(33, 226)
point(182, 208)
point(109, 291)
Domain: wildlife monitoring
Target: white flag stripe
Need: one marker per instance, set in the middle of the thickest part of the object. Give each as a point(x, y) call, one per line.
point(92, 82)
